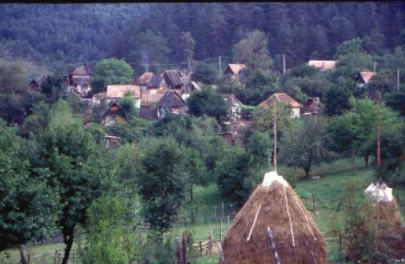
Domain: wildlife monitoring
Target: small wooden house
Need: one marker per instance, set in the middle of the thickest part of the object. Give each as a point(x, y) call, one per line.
point(283, 98)
point(116, 92)
point(235, 72)
point(157, 103)
point(79, 80)
point(111, 141)
point(113, 115)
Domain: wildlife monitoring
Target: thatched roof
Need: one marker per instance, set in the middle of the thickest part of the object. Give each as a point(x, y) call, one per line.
point(120, 90)
point(273, 224)
point(235, 68)
point(281, 98)
point(323, 65)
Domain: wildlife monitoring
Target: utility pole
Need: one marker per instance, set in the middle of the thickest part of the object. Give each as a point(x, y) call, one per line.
point(375, 66)
point(378, 130)
point(398, 84)
point(220, 65)
point(284, 65)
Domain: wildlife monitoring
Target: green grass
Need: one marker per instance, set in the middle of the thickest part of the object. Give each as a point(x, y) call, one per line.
point(328, 190)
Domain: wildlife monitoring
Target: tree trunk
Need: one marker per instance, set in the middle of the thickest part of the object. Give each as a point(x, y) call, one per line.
point(366, 160)
point(68, 237)
point(23, 259)
point(307, 172)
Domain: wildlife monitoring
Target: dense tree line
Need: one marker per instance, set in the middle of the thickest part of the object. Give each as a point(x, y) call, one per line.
point(151, 33)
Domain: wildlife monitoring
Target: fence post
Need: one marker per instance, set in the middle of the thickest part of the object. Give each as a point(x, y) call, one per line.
point(227, 225)
point(29, 258)
point(222, 210)
point(201, 248)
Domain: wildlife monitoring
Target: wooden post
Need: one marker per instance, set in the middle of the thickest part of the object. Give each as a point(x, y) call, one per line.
point(284, 65)
point(56, 259)
point(220, 66)
point(378, 132)
point(340, 240)
point(227, 225)
point(201, 248)
point(275, 136)
point(375, 66)
point(398, 79)
point(222, 210)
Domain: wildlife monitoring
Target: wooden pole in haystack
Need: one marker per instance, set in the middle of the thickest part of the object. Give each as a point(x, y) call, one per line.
point(275, 136)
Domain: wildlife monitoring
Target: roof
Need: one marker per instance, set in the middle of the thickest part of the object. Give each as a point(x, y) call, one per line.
point(113, 109)
point(145, 78)
point(323, 65)
point(81, 70)
point(148, 112)
point(120, 90)
point(171, 99)
point(235, 68)
point(173, 78)
point(366, 76)
point(152, 96)
point(155, 81)
point(281, 98)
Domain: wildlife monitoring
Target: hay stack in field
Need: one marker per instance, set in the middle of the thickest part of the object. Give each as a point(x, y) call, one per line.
point(384, 204)
point(273, 227)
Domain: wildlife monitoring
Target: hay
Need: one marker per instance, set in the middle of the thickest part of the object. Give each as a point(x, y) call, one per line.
point(309, 246)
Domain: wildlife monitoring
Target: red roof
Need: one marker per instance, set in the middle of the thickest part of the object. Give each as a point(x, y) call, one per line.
point(281, 98)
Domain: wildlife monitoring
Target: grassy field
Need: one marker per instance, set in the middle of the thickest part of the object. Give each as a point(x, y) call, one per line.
point(328, 191)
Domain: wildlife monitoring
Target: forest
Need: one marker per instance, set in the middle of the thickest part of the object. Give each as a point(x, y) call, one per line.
point(69, 193)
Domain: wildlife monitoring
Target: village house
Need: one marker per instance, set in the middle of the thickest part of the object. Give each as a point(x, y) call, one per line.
point(322, 65)
point(235, 106)
point(312, 106)
point(36, 84)
point(79, 81)
point(157, 103)
point(363, 78)
point(115, 92)
point(113, 115)
point(235, 72)
point(284, 98)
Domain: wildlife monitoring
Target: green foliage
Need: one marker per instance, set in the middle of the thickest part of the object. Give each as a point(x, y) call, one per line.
point(162, 181)
point(253, 51)
point(28, 207)
point(304, 144)
point(73, 167)
point(111, 71)
point(337, 97)
point(53, 88)
point(129, 132)
point(208, 102)
point(159, 252)
point(110, 239)
point(259, 87)
point(205, 73)
point(187, 44)
point(356, 130)
point(264, 116)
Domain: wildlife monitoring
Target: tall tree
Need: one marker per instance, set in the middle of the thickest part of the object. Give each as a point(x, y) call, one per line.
point(187, 44)
point(253, 51)
point(111, 71)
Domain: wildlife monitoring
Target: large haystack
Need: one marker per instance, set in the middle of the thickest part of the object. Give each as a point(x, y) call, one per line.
point(273, 227)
